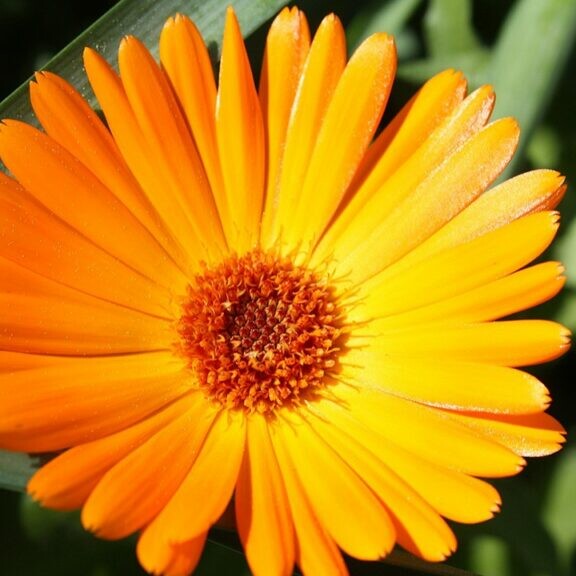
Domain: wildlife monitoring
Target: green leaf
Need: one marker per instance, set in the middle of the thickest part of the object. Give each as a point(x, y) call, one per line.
point(566, 252)
point(219, 558)
point(448, 28)
point(472, 64)
point(490, 555)
point(544, 147)
point(567, 311)
point(529, 57)
point(559, 507)
point(411, 565)
point(144, 19)
point(16, 469)
point(451, 42)
point(521, 527)
point(390, 17)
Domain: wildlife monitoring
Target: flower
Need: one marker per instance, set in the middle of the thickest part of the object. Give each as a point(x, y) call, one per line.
point(231, 296)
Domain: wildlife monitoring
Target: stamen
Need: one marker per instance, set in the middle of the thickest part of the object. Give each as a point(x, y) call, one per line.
point(261, 333)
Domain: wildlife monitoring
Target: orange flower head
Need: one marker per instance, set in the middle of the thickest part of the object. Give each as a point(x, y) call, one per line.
point(252, 299)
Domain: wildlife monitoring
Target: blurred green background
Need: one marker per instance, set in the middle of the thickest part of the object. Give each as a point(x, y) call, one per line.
point(526, 49)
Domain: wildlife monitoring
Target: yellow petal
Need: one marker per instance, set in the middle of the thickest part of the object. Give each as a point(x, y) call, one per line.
point(459, 269)
point(343, 503)
point(240, 134)
point(461, 449)
point(351, 119)
point(451, 385)
point(432, 202)
point(514, 293)
point(506, 343)
point(262, 509)
point(393, 182)
point(536, 191)
point(410, 128)
point(527, 435)
point(417, 525)
point(324, 65)
point(451, 493)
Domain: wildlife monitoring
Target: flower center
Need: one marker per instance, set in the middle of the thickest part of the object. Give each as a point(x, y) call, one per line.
point(261, 332)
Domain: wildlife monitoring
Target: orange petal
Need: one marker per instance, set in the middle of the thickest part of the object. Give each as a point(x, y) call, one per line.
point(67, 188)
point(240, 133)
point(287, 47)
point(68, 118)
point(185, 58)
point(159, 116)
point(185, 557)
point(207, 489)
point(16, 361)
point(43, 317)
point(137, 488)
point(156, 180)
point(316, 551)
point(55, 407)
point(65, 256)
point(66, 481)
point(262, 510)
point(158, 556)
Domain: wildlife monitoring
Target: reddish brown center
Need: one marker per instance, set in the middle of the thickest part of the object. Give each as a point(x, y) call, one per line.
point(261, 333)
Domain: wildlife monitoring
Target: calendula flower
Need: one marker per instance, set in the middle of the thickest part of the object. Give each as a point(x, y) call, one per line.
point(249, 297)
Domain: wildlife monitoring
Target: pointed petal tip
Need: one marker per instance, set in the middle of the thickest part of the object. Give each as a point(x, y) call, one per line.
point(566, 338)
point(170, 22)
point(510, 126)
point(175, 21)
point(231, 15)
point(521, 465)
point(449, 76)
point(90, 56)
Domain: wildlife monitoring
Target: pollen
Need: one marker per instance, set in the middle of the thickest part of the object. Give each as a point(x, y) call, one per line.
point(261, 333)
